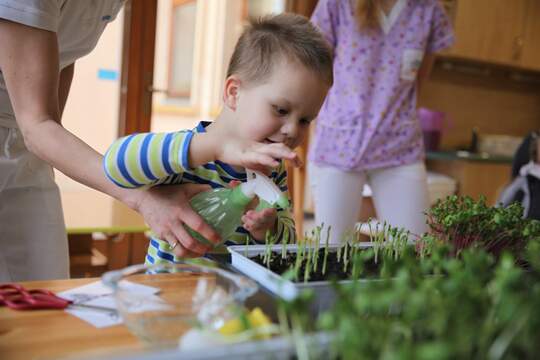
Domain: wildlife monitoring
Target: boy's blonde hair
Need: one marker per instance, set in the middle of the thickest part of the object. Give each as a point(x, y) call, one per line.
point(273, 37)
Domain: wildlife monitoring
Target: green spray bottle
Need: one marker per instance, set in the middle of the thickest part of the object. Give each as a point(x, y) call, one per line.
point(223, 208)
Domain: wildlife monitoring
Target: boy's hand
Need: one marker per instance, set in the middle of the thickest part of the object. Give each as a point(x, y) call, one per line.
point(236, 151)
point(258, 222)
point(255, 155)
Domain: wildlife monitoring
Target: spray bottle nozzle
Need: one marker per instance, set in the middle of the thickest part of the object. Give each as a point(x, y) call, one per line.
point(268, 192)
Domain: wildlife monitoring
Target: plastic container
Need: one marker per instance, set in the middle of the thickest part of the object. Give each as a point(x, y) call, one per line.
point(181, 304)
point(285, 289)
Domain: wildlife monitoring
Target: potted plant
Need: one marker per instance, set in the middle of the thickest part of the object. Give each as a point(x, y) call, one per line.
point(463, 222)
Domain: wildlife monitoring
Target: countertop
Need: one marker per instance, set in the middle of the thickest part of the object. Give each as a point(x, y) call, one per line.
point(467, 156)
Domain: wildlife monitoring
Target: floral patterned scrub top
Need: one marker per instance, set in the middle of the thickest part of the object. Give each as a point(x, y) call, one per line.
point(368, 120)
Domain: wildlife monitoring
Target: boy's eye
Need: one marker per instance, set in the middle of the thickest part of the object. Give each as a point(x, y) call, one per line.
point(305, 121)
point(280, 111)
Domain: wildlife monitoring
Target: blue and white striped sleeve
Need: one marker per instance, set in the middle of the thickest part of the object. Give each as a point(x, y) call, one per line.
point(142, 159)
point(286, 229)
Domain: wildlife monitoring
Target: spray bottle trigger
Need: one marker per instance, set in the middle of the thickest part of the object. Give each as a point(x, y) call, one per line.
point(282, 203)
point(263, 204)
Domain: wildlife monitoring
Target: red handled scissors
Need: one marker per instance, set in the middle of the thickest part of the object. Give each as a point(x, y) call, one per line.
point(18, 297)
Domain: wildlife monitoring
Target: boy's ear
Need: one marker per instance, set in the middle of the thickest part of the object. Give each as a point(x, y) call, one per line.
point(231, 92)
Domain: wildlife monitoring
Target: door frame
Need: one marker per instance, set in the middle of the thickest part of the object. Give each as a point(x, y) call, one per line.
point(138, 52)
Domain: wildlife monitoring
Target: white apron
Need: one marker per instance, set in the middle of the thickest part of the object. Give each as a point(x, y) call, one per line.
point(33, 240)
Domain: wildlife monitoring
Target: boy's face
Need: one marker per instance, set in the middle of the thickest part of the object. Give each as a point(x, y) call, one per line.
point(280, 108)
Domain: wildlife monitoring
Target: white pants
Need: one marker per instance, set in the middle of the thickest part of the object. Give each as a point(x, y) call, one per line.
point(33, 240)
point(400, 196)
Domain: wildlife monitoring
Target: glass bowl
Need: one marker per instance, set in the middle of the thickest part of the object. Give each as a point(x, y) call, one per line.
point(175, 298)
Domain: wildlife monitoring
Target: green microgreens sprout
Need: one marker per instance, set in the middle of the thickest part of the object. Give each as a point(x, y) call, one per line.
point(312, 240)
point(354, 266)
point(374, 239)
point(345, 254)
point(309, 254)
point(317, 245)
point(356, 251)
point(270, 240)
point(384, 239)
point(298, 263)
point(355, 260)
point(266, 241)
point(355, 248)
point(371, 237)
point(326, 249)
point(284, 243)
point(307, 267)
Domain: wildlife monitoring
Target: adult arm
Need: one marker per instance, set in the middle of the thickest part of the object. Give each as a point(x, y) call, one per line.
point(425, 70)
point(326, 17)
point(441, 36)
point(66, 77)
point(30, 66)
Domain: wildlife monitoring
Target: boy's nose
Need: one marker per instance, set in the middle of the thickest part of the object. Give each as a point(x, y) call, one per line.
point(290, 129)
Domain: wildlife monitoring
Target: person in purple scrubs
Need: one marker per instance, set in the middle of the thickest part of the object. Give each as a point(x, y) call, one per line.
point(367, 130)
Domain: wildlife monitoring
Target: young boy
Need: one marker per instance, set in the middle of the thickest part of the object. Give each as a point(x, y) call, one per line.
point(277, 79)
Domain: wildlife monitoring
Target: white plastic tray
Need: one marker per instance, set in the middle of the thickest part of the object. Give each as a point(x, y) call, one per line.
point(285, 289)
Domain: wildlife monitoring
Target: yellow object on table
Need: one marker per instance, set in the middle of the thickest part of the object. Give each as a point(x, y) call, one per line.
point(255, 319)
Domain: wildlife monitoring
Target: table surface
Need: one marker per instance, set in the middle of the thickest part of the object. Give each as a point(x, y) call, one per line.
point(51, 334)
point(54, 333)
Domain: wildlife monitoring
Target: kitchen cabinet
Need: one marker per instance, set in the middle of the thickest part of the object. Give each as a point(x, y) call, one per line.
point(496, 31)
point(474, 178)
point(531, 36)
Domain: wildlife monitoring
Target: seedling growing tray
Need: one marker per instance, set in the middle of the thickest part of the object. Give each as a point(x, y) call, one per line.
point(242, 259)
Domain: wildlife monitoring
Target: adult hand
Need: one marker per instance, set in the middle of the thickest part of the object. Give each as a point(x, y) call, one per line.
point(166, 209)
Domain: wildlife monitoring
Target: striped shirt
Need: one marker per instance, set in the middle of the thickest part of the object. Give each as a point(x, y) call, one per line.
point(162, 159)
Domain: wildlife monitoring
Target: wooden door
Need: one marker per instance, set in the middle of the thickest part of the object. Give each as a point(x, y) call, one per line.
point(135, 108)
point(304, 7)
point(137, 66)
point(489, 30)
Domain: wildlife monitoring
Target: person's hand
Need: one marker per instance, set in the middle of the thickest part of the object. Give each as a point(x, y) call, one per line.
point(166, 209)
point(255, 155)
point(259, 222)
